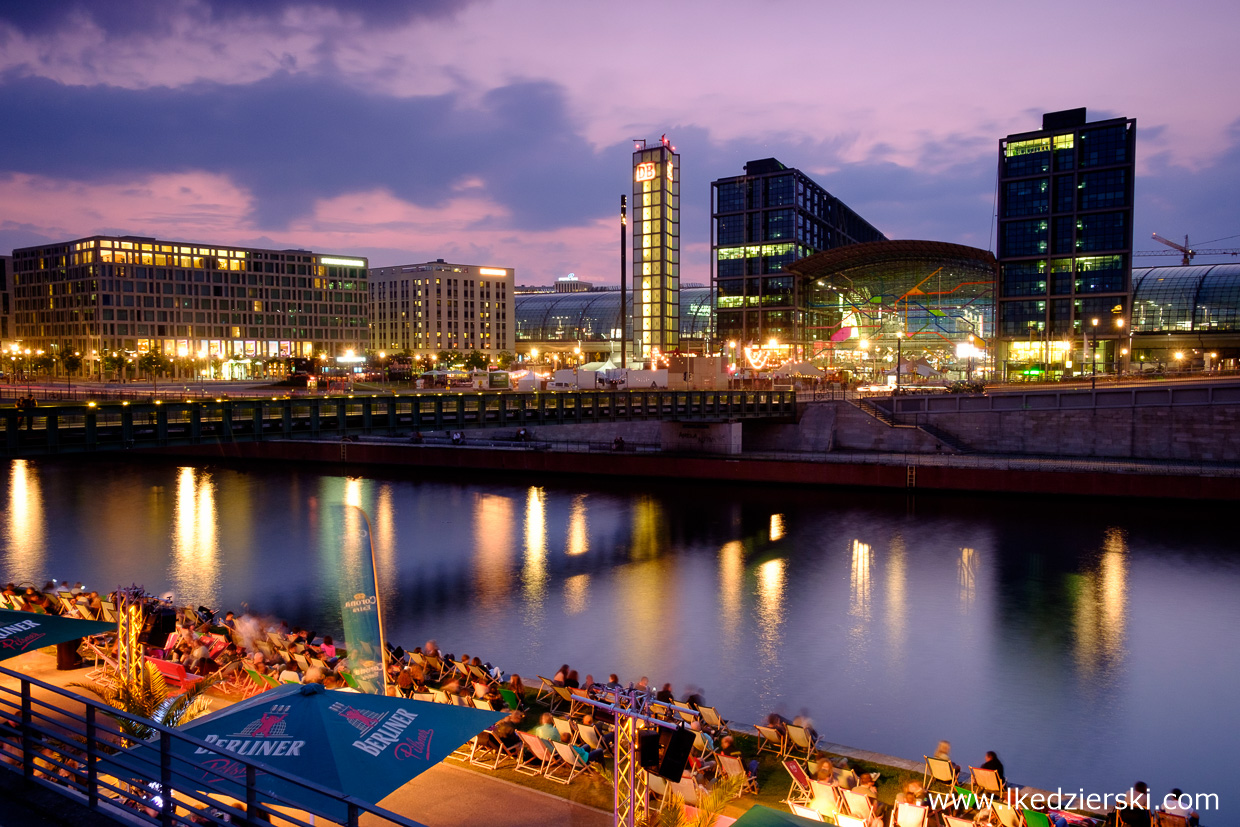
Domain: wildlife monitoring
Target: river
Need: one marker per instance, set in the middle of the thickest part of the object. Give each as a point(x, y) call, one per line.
point(1090, 643)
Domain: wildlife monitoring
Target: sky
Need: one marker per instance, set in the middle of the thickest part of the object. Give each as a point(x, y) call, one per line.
point(499, 132)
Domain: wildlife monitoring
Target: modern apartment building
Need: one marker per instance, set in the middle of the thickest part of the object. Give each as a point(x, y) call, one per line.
point(6, 322)
point(1065, 241)
point(761, 221)
point(193, 300)
point(437, 306)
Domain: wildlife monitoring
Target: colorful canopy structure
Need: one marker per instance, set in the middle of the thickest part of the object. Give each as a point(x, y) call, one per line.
point(20, 632)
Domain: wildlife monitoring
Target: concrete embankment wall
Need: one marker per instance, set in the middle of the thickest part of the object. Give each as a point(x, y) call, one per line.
point(719, 469)
point(1199, 433)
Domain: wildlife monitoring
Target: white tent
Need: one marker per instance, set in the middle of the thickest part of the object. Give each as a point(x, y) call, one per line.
point(797, 369)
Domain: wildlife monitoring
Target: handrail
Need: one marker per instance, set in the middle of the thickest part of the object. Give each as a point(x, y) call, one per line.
point(79, 756)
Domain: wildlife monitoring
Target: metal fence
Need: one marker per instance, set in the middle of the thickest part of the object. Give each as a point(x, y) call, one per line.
point(73, 745)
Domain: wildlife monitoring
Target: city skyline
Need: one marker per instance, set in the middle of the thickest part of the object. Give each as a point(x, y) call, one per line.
point(495, 131)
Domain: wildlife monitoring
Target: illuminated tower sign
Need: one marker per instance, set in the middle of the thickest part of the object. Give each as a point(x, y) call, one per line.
point(656, 249)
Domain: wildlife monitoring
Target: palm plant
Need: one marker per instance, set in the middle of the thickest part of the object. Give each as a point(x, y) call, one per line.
point(148, 699)
point(709, 806)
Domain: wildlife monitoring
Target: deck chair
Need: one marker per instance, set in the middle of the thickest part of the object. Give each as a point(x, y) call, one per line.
point(940, 770)
point(729, 766)
point(1160, 819)
point(1033, 818)
point(910, 815)
point(688, 789)
point(429, 697)
point(950, 820)
point(986, 781)
point(770, 741)
point(801, 791)
point(712, 721)
point(483, 703)
point(487, 751)
point(260, 684)
point(799, 742)
point(660, 710)
point(859, 805)
point(440, 696)
point(701, 747)
point(656, 785)
point(560, 698)
point(109, 613)
point(564, 725)
point(1006, 813)
point(510, 698)
point(967, 798)
point(827, 799)
point(546, 688)
point(589, 736)
point(432, 663)
point(845, 820)
point(807, 813)
point(570, 761)
point(303, 663)
point(535, 755)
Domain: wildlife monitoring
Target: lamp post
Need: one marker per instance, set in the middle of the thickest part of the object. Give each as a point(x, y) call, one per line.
point(576, 367)
point(1093, 376)
point(899, 359)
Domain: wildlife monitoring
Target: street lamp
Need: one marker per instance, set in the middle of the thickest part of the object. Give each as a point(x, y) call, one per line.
point(576, 366)
point(1093, 377)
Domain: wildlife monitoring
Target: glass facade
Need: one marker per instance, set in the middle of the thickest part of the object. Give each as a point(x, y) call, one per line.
point(656, 250)
point(595, 316)
point(1194, 299)
point(109, 293)
point(763, 222)
point(1065, 224)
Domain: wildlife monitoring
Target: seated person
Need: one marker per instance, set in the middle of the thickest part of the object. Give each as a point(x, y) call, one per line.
point(546, 728)
point(506, 729)
point(992, 762)
point(727, 746)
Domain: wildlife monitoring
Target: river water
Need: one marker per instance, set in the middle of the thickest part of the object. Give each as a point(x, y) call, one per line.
point(1090, 643)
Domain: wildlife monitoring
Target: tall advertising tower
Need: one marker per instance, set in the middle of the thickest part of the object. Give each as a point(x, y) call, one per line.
point(656, 250)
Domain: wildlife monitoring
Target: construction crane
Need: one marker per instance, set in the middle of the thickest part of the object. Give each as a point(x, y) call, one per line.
point(1186, 252)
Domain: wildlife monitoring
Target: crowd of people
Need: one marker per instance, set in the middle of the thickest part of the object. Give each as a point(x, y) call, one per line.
point(206, 645)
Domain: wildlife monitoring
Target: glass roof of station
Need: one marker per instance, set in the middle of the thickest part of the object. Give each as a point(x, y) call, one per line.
point(591, 317)
point(1197, 298)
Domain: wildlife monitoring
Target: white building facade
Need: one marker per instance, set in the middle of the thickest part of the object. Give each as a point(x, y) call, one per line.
point(437, 306)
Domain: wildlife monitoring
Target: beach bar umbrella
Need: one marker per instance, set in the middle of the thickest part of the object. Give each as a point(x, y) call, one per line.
point(364, 745)
point(22, 632)
point(759, 816)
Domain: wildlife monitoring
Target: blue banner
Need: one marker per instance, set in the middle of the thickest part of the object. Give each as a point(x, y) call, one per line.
point(359, 603)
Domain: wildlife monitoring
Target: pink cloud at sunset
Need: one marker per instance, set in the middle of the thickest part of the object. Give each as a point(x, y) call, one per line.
point(500, 129)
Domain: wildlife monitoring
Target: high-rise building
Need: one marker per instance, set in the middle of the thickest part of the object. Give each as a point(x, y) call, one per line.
point(107, 294)
point(1065, 242)
point(6, 270)
point(761, 221)
point(655, 301)
point(437, 306)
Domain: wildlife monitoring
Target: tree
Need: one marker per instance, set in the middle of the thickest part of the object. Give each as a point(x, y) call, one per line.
point(114, 363)
point(44, 362)
point(504, 359)
point(149, 698)
point(72, 362)
point(152, 362)
point(448, 358)
point(476, 361)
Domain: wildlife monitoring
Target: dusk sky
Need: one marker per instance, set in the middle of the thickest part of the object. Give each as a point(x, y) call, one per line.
point(499, 132)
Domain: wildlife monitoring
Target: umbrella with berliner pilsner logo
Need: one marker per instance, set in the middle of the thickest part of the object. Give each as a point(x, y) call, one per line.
point(366, 746)
point(22, 632)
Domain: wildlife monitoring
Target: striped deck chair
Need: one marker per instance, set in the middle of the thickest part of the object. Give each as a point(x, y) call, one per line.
point(939, 770)
point(770, 740)
point(535, 756)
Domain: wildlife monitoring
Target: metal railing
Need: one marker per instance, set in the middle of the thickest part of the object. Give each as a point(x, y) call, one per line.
point(74, 746)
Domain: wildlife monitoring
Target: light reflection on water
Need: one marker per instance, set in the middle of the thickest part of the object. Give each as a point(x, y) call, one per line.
point(1059, 648)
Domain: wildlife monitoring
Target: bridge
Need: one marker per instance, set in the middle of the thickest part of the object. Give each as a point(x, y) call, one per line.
point(97, 426)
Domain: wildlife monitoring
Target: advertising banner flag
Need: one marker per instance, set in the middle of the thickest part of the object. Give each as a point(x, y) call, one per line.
point(360, 614)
